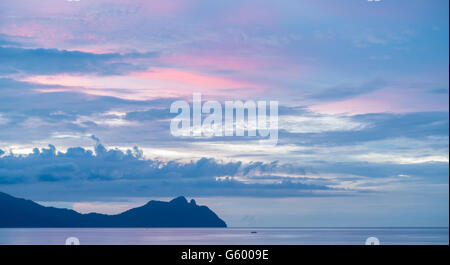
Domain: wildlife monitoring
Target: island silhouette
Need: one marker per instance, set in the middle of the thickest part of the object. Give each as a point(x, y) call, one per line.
point(22, 213)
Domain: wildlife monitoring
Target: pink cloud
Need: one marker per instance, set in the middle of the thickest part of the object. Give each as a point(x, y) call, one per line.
point(245, 66)
point(157, 82)
point(250, 14)
point(180, 79)
point(215, 62)
point(164, 7)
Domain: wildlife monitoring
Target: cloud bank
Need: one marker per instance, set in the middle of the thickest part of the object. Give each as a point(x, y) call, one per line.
point(108, 168)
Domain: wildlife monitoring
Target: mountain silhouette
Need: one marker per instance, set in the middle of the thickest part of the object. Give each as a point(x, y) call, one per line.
point(15, 212)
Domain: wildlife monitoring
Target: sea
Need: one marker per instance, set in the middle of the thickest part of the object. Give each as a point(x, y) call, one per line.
point(223, 236)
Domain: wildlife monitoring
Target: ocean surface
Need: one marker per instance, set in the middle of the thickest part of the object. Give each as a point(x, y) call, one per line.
point(224, 236)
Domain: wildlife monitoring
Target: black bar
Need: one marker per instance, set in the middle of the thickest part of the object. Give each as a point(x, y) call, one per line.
point(310, 255)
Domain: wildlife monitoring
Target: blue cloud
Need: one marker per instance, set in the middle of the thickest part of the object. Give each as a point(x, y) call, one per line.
point(429, 172)
point(53, 61)
point(108, 167)
point(347, 91)
point(150, 114)
point(112, 172)
point(419, 126)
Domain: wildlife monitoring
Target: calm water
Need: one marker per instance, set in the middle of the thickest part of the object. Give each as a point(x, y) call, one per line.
point(231, 236)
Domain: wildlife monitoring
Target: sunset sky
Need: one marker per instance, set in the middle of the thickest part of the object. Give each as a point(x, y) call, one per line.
point(363, 92)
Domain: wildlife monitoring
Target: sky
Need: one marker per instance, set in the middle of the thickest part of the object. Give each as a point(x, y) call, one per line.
point(363, 91)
